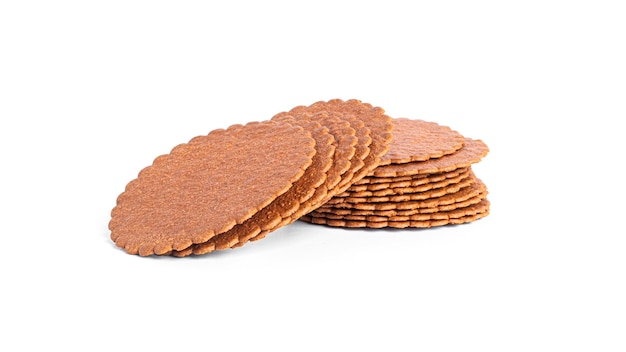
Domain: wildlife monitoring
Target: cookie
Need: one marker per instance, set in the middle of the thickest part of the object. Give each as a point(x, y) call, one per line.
point(347, 155)
point(437, 181)
point(303, 190)
point(473, 190)
point(472, 209)
point(337, 213)
point(432, 193)
point(194, 193)
point(400, 224)
point(471, 152)
point(418, 140)
point(380, 127)
point(409, 181)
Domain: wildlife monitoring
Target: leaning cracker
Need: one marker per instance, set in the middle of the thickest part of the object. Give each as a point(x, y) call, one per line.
point(397, 224)
point(194, 193)
point(346, 156)
point(283, 206)
point(418, 140)
point(362, 147)
point(361, 153)
point(374, 118)
point(343, 149)
point(462, 195)
point(471, 152)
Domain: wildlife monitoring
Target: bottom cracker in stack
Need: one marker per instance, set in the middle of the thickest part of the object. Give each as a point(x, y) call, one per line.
point(424, 180)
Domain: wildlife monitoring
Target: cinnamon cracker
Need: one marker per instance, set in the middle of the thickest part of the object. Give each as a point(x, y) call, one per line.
point(194, 193)
point(419, 140)
point(350, 137)
point(472, 209)
point(283, 206)
point(471, 152)
point(438, 181)
point(338, 213)
point(349, 154)
point(432, 193)
point(374, 118)
point(462, 195)
point(399, 224)
point(409, 181)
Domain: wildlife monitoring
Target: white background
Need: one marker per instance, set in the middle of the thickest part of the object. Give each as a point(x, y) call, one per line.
point(91, 92)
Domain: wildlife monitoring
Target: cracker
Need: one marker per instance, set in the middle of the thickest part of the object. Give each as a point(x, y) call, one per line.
point(462, 195)
point(361, 153)
point(347, 155)
point(432, 193)
point(399, 224)
point(335, 213)
point(472, 209)
point(374, 118)
point(370, 179)
point(194, 193)
point(409, 181)
point(285, 205)
point(471, 152)
point(437, 181)
point(419, 140)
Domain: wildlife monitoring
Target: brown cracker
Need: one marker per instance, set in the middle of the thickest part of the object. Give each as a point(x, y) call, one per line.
point(432, 193)
point(194, 193)
point(347, 155)
point(398, 224)
point(462, 195)
point(374, 118)
point(438, 181)
point(418, 140)
point(343, 131)
point(370, 179)
point(397, 212)
point(361, 153)
point(285, 205)
point(472, 209)
point(471, 152)
point(409, 181)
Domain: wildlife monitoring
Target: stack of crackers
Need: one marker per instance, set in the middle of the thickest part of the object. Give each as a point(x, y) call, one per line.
point(424, 180)
point(337, 163)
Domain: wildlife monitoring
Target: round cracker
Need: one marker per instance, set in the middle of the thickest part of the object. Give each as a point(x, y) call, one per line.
point(438, 181)
point(304, 189)
point(374, 118)
point(347, 155)
point(448, 199)
point(419, 140)
point(409, 181)
point(472, 209)
point(471, 152)
point(398, 224)
point(195, 192)
point(432, 193)
point(397, 212)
